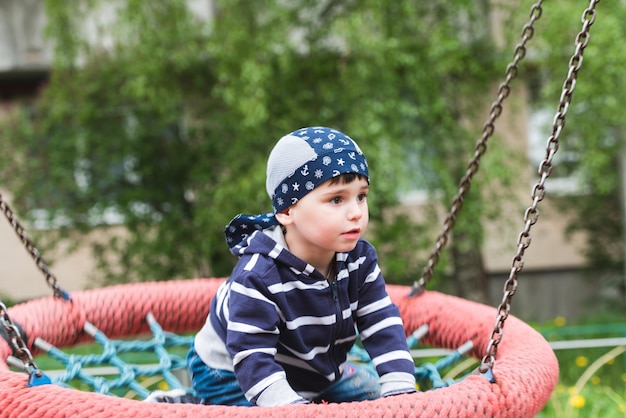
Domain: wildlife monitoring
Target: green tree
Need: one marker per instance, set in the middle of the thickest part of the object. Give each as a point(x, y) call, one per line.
point(595, 127)
point(166, 123)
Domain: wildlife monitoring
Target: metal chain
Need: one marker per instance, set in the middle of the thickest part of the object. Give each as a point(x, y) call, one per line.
point(479, 149)
point(20, 348)
point(32, 250)
point(13, 334)
point(538, 192)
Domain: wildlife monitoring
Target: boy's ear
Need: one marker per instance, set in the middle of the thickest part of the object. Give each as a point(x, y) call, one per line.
point(284, 217)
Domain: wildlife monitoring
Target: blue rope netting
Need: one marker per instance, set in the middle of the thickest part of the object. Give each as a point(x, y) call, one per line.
point(426, 374)
point(129, 377)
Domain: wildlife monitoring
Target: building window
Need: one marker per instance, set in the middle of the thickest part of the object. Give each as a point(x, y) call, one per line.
point(565, 178)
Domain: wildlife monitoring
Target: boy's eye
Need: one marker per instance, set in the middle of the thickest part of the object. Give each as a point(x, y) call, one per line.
point(362, 196)
point(336, 199)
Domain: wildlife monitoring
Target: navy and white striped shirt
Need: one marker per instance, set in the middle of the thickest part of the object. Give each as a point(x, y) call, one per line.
point(281, 325)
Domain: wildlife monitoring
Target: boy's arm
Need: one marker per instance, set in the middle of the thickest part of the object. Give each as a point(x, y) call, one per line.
point(382, 332)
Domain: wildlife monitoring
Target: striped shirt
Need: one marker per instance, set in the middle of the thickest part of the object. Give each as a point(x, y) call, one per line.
point(278, 323)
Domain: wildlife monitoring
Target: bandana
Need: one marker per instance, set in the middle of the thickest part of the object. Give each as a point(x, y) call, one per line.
point(299, 162)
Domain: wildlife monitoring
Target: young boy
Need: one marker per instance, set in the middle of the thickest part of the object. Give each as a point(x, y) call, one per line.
point(280, 328)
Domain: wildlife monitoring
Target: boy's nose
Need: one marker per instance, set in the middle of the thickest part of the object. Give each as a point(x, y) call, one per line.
point(355, 211)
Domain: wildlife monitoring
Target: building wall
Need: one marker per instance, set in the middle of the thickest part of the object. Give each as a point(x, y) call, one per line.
point(22, 44)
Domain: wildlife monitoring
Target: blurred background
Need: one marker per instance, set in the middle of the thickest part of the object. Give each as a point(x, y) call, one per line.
point(132, 132)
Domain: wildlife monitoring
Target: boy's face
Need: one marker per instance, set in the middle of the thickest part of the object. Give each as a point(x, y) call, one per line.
point(330, 218)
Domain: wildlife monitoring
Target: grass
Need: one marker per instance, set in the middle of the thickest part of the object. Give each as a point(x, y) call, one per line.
point(593, 394)
point(592, 381)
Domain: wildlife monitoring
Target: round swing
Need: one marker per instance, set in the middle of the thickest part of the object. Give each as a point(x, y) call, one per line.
point(520, 385)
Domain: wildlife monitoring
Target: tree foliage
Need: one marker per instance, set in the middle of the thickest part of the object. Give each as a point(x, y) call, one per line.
point(164, 121)
point(594, 132)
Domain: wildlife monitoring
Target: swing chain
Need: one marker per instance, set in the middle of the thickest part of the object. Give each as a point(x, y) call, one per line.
point(480, 148)
point(32, 250)
point(538, 192)
point(14, 337)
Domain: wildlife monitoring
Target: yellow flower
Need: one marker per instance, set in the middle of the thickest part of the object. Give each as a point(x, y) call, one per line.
point(595, 380)
point(582, 361)
point(560, 321)
point(162, 385)
point(577, 401)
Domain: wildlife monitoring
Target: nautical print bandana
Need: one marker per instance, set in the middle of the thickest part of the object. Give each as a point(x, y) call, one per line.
point(299, 162)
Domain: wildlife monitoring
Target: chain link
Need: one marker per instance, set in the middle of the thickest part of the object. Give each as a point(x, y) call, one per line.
point(538, 192)
point(479, 149)
point(19, 346)
point(14, 336)
point(32, 250)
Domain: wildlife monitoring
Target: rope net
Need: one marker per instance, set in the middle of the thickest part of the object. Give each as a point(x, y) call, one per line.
point(526, 371)
point(111, 372)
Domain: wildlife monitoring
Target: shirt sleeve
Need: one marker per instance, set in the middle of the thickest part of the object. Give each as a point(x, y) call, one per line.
point(382, 331)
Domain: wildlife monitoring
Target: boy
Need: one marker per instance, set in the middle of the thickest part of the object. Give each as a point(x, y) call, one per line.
point(280, 328)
